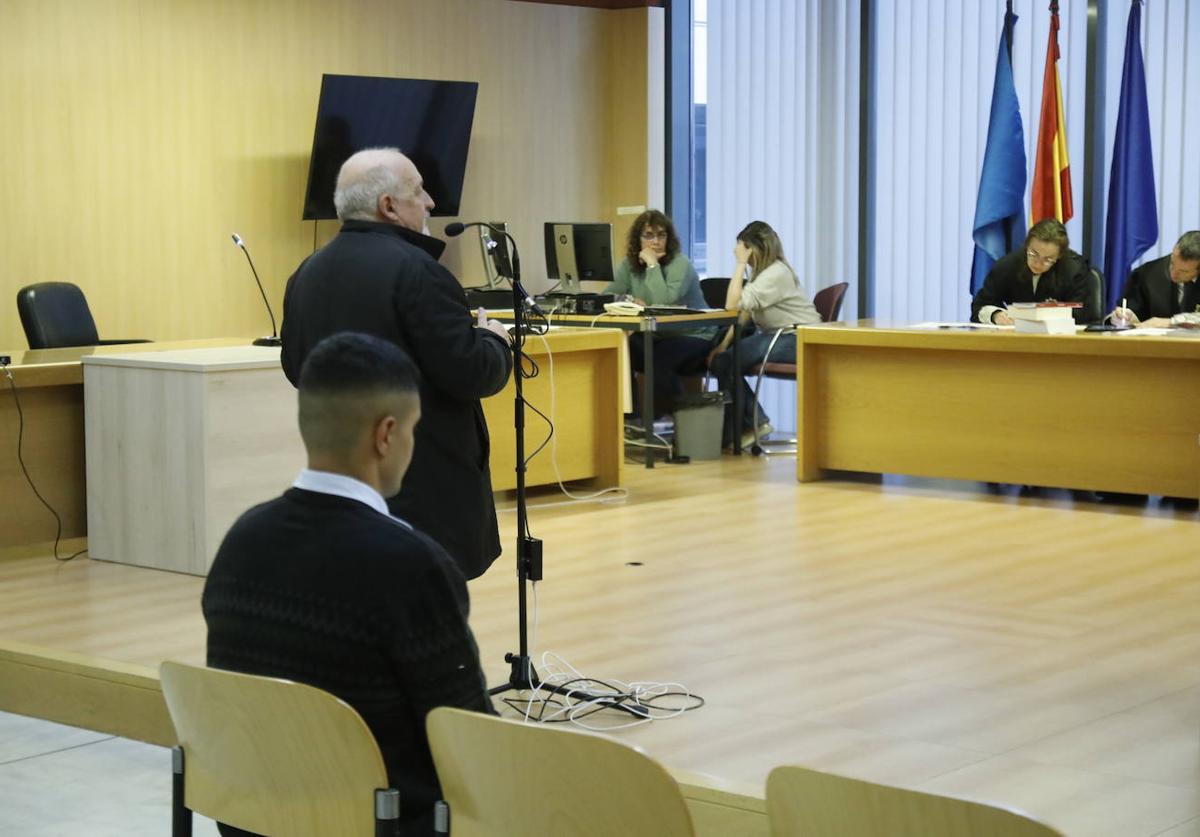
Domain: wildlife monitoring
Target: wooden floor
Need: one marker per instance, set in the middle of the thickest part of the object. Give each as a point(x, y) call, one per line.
point(1029, 650)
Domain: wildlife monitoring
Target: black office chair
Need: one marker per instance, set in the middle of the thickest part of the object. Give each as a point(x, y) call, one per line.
point(696, 373)
point(55, 315)
point(1093, 300)
point(714, 288)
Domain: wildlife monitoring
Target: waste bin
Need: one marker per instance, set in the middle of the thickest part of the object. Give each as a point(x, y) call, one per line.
point(698, 420)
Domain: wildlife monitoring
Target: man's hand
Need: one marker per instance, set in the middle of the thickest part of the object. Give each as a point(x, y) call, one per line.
point(1002, 318)
point(1155, 322)
point(495, 326)
point(1122, 317)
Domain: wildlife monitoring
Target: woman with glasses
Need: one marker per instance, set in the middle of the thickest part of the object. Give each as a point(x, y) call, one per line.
point(654, 272)
point(774, 299)
point(1044, 269)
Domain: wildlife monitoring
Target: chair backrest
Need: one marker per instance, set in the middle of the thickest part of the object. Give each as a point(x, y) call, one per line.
point(828, 301)
point(504, 777)
point(272, 756)
point(1093, 301)
point(714, 288)
point(55, 315)
point(809, 803)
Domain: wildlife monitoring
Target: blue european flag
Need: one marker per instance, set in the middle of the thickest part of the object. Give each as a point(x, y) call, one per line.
point(1132, 224)
point(999, 210)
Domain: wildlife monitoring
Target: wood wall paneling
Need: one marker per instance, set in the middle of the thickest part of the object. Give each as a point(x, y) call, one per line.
point(140, 135)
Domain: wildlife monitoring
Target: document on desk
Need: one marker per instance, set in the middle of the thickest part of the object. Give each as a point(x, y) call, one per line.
point(963, 326)
point(1145, 332)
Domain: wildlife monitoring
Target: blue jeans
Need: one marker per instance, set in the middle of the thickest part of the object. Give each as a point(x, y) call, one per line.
point(751, 351)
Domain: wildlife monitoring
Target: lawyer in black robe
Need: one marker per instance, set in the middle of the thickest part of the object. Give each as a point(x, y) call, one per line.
point(1149, 291)
point(1061, 273)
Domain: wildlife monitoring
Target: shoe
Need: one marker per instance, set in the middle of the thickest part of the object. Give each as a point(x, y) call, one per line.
point(764, 430)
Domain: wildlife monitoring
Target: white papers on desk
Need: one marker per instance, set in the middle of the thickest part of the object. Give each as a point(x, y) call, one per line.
point(1144, 332)
point(964, 326)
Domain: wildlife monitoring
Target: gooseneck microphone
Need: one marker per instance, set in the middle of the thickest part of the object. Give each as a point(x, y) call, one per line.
point(457, 228)
point(273, 340)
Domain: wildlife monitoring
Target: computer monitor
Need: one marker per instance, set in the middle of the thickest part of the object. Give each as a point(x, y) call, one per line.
point(497, 265)
point(578, 252)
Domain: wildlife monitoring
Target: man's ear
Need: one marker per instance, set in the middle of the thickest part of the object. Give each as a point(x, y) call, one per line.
point(384, 428)
point(386, 207)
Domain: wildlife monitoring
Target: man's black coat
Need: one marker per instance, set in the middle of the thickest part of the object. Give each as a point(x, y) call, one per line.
point(384, 280)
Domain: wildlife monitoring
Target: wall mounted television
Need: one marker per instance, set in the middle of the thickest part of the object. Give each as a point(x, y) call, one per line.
point(430, 121)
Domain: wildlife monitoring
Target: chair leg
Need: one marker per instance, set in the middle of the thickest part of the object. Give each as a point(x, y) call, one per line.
point(756, 448)
point(441, 817)
point(181, 817)
point(387, 812)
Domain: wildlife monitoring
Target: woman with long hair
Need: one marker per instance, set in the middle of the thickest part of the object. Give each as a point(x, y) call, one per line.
point(655, 272)
point(772, 298)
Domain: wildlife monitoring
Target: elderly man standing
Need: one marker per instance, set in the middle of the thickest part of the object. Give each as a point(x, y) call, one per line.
point(379, 275)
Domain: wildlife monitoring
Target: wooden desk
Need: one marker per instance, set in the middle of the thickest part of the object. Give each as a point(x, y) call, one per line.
point(180, 443)
point(579, 379)
point(50, 383)
point(1092, 411)
point(647, 326)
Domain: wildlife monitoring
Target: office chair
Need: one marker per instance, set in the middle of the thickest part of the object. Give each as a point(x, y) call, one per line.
point(714, 288)
point(695, 375)
point(1093, 300)
point(828, 302)
point(273, 757)
point(55, 315)
point(504, 778)
point(806, 802)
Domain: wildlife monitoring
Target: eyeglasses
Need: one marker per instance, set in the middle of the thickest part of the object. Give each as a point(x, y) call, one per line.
point(647, 235)
point(1048, 261)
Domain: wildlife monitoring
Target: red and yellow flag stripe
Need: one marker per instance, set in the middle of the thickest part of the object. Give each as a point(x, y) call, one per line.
point(1052, 169)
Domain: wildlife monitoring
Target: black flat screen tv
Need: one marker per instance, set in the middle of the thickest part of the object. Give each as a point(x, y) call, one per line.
point(430, 121)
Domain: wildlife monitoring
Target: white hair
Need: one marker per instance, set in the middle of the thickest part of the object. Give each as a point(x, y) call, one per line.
point(364, 178)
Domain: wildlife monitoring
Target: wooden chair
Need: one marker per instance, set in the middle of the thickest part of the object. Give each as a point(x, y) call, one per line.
point(828, 302)
point(505, 778)
point(808, 803)
point(273, 757)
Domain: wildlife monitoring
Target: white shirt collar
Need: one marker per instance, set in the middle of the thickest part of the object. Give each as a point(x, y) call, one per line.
point(340, 485)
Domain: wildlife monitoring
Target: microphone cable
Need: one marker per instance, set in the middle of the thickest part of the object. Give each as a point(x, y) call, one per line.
point(25, 470)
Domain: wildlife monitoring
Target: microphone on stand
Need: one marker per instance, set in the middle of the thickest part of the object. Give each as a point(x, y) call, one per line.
point(273, 340)
point(457, 228)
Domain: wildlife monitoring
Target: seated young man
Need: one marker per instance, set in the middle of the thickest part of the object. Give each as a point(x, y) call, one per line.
point(323, 586)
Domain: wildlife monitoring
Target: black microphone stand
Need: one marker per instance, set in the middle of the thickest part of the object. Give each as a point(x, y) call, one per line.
point(274, 339)
point(522, 676)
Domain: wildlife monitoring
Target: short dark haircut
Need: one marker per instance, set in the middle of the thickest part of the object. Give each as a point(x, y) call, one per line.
point(346, 381)
point(1051, 231)
point(1189, 246)
point(633, 241)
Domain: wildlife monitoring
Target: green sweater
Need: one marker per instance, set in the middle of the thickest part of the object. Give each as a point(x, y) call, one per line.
point(674, 284)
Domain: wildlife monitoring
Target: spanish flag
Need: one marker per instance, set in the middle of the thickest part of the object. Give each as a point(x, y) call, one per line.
point(1052, 170)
